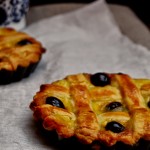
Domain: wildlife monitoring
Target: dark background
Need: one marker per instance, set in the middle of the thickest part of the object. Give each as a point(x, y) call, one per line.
point(39, 2)
point(140, 7)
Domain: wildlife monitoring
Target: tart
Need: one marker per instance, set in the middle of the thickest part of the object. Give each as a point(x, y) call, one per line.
point(107, 108)
point(19, 55)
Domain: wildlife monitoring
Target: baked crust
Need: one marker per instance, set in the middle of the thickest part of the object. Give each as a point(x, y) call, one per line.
point(18, 53)
point(85, 114)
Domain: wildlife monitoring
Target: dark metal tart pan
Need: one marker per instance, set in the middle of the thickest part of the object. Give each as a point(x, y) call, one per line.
point(7, 76)
point(73, 144)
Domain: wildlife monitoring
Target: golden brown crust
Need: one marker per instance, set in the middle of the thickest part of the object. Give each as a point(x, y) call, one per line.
point(85, 115)
point(13, 54)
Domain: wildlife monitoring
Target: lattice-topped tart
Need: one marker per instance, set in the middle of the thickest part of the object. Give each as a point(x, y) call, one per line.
point(19, 55)
point(103, 107)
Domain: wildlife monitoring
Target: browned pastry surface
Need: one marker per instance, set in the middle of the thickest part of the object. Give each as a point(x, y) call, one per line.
point(17, 49)
point(101, 107)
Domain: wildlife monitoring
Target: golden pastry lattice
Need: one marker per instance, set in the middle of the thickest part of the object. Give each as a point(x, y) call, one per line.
point(18, 49)
point(118, 111)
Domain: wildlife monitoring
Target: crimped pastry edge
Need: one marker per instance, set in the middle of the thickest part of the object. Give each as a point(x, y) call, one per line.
point(54, 140)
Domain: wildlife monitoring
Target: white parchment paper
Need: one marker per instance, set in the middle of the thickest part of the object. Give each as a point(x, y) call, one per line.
point(86, 40)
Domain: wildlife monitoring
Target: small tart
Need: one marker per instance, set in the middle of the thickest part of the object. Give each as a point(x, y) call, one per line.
point(19, 55)
point(104, 107)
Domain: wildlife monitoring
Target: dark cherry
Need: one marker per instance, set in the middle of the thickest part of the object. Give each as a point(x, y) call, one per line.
point(113, 105)
point(115, 127)
point(54, 102)
point(148, 104)
point(24, 42)
point(100, 79)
